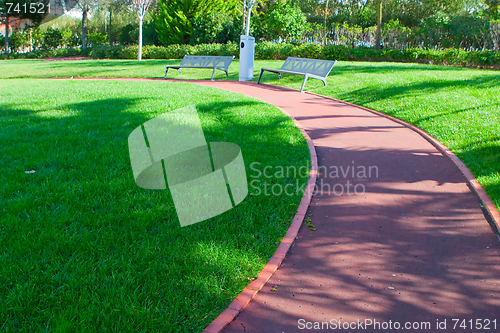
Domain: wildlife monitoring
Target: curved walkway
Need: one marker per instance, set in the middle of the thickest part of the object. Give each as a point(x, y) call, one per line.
point(415, 247)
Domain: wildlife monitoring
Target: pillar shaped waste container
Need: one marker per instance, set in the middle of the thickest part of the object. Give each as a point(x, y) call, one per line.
point(247, 52)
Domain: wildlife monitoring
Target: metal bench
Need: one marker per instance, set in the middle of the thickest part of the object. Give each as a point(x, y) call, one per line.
point(314, 68)
point(189, 61)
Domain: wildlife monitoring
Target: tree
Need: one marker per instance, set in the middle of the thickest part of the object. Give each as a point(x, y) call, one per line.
point(5, 20)
point(19, 40)
point(379, 24)
point(85, 6)
point(111, 8)
point(411, 12)
point(21, 9)
point(215, 28)
point(174, 18)
point(324, 23)
point(247, 12)
point(287, 22)
point(493, 10)
point(141, 6)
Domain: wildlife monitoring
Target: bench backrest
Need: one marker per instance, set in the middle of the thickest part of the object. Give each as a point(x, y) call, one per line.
point(207, 61)
point(312, 66)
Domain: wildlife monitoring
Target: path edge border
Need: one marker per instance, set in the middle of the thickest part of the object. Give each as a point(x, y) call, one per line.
point(487, 206)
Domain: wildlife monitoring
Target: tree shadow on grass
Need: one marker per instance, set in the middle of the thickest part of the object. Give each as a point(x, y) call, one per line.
point(372, 94)
point(483, 159)
point(454, 112)
point(10, 110)
point(389, 67)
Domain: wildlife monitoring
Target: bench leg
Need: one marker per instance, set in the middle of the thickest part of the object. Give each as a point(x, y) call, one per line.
point(261, 71)
point(227, 75)
point(213, 73)
point(180, 72)
point(324, 81)
point(166, 74)
point(304, 83)
point(279, 75)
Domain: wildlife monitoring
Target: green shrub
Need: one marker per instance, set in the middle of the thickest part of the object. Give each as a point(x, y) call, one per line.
point(130, 52)
point(230, 49)
point(365, 53)
point(409, 55)
point(267, 50)
point(309, 50)
point(52, 39)
point(391, 55)
point(178, 51)
point(276, 51)
point(154, 52)
point(288, 50)
point(72, 51)
point(96, 38)
point(105, 52)
point(335, 52)
point(19, 41)
point(207, 49)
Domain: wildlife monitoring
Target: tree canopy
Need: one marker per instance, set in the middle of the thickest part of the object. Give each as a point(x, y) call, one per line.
point(174, 18)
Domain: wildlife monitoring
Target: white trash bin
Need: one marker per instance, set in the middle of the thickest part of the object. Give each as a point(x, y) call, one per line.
point(247, 53)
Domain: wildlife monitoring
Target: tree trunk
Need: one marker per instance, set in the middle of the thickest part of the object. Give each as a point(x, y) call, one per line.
point(249, 15)
point(324, 24)
point(243, 20)
point(139, 55)
point(7, 34)
point(84, 28)
point(110, 27)
point(379, 26)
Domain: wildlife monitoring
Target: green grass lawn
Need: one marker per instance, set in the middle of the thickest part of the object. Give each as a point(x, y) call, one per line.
point(86, 248)
point(458, 106)
point(83, 249)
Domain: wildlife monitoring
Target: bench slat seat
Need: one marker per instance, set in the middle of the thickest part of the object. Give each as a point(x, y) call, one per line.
point(215, 62)
point(314, 68)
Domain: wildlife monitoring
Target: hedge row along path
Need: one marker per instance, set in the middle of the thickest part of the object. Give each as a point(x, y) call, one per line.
point(415, 245)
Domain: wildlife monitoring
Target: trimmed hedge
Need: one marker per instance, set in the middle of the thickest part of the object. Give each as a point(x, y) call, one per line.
point(274, 51)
